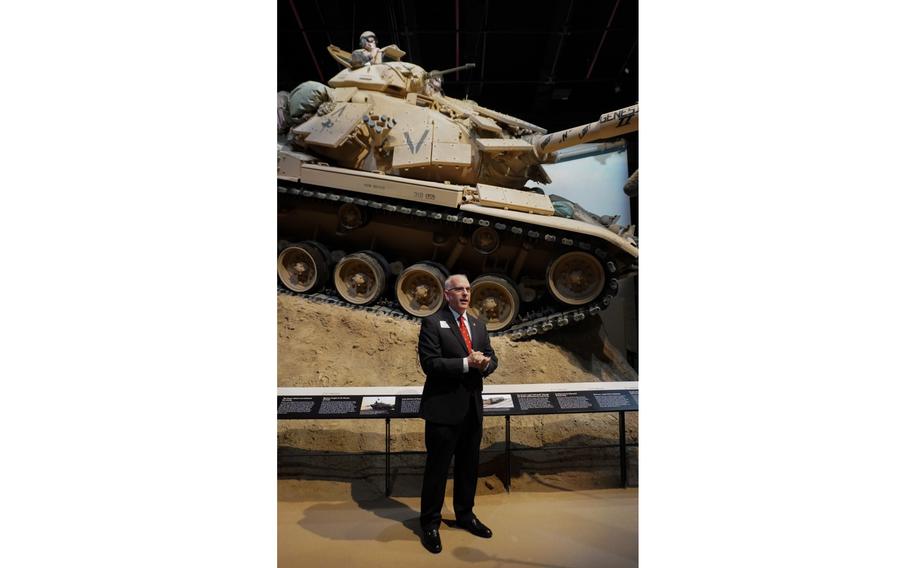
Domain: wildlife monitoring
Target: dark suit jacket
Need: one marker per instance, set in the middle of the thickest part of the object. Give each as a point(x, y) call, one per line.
point(448, 388)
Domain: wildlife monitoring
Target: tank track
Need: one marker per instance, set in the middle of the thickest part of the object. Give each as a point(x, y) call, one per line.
point(526, 326)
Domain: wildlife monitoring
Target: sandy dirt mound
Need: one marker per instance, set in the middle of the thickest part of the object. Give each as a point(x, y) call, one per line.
point(324, 345)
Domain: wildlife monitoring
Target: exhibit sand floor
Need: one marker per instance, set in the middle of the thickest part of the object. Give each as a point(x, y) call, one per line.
point(331, 523)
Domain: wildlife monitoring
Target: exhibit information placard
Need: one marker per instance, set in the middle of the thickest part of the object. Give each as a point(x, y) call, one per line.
point(404, 402)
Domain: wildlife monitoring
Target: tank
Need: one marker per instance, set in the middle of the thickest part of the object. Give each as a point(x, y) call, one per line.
point(386, 186)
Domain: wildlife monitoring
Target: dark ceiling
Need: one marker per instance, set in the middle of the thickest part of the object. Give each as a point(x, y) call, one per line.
point(555, 64)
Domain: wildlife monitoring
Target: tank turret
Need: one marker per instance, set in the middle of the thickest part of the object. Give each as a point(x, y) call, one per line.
point(387, 185)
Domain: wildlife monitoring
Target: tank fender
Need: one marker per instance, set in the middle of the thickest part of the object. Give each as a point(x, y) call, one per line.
point(556, 223)
point(289, 163)
point(510, 199)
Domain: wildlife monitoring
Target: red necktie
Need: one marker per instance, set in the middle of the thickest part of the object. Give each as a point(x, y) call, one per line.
point(464, 333)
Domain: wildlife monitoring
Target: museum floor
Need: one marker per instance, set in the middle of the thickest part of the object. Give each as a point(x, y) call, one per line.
point(350, 526)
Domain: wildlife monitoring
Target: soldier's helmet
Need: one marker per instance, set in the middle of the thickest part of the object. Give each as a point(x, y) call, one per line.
point(365, 36)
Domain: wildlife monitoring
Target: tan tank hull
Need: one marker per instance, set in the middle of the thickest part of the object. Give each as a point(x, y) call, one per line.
point(370, 239)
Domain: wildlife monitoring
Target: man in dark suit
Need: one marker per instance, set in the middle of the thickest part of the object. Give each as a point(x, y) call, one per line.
point(455, 354)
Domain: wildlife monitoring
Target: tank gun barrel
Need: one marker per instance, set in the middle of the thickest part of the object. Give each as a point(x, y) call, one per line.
point(452, 70)
point(609, 125)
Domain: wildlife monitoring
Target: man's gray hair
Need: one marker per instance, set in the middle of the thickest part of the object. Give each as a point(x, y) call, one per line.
point(450, 279)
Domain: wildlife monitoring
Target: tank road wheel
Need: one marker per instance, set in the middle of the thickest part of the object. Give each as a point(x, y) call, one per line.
point(575, 278)
point(495, 301)
point(419, 289)
point(302, 267)
point(360, 278)
point(485, 240)
point(351, 217)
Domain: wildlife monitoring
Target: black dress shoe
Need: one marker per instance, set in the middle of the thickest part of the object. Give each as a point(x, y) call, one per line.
point(430, 540)
point(475, 527)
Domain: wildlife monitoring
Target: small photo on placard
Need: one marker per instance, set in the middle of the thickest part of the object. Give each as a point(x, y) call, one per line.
point(377, 405)
point(497, 401)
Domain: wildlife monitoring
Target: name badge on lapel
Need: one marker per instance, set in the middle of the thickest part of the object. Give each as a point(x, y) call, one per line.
point(444, 324)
